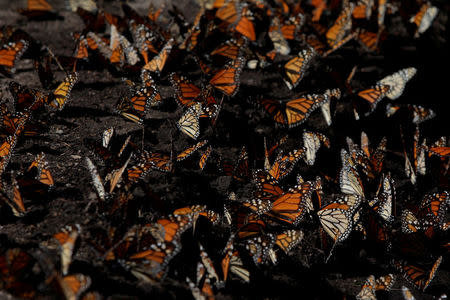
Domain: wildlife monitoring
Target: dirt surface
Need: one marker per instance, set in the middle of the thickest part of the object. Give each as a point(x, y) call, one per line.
point(64, 138)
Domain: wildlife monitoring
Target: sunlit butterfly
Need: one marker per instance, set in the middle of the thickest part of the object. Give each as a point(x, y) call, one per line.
point(397, 82)
point(227, 80)
point(296, 67)
point(189, 122)
point(10, 53)
point(61, 94)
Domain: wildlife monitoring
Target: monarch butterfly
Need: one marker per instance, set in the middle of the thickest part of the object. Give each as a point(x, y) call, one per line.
point(10, 53)
point(16, 265)
point(189, 122)
point(144, 39)
point(385, 283)
point(435, 206)
point(311, 142)
point(374, 94)
point(189, 151)
point(204, 158)
point(59, 97)
point(289, 239)
point(231, 49)
point(9, 143)
point(74, 285)
point(239, 17)
point(43, 174)
point(241, 170)
point(292, 206)
point(424, 18)
point(157, 161)
point(150, 264)
point(296, 67)
point(159, 61)
point(196, 211)
point(283, 165)
point(293, 112)
point(208, 265)
point(188, 94)
point(67, 238)
point(125, 108)
point(291, 26)
point(227, 80)
point(280, 43)
point(319, 7)
point(411, 224)
point(96, 179)
point(363, 9)
point(37, 9)
point(367, 290)
point(421, 114)
point(417, 275)
point(382, 5)
point(439, 151)
point(88, 5)
point(26, 99)
point(385, 198)
point(336, 219)
point(233, 263)
point(407, 293)
point(343, 23)
point(349, 180)
point(260, 248)
point(397, 82)
point(369, 40)
point(13, 198)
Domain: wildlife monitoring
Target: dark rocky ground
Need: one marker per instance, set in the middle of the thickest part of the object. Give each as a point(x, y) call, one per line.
point(303, 272)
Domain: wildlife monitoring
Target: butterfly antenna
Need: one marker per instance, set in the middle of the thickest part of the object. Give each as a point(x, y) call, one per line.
point(56, 59)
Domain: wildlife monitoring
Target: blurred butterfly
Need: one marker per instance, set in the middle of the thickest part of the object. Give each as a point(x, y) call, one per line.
point(88, 5)
point(397, 82)
point(424, 18)
point(279, 42)
point(363, 9)
point(38, 9)
point(74, 285)
point(420, 277)
point(10, 53)
point(16, 267)
point(239, 17)
point(231, 49)
point(67, 238)
point(341, 26)
point(296, 67)
point(12, 197)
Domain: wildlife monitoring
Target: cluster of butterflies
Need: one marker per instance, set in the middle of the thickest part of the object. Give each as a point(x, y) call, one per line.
point(267, 211)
